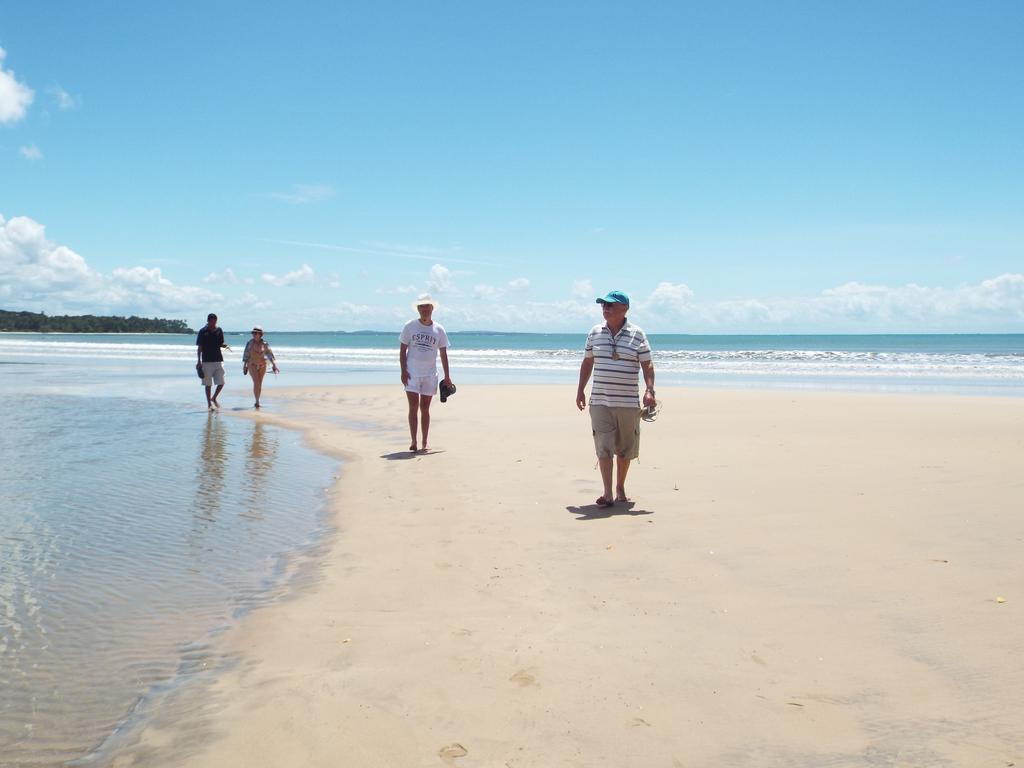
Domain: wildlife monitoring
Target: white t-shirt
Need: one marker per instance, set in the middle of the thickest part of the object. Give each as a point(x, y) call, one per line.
point(423, 341)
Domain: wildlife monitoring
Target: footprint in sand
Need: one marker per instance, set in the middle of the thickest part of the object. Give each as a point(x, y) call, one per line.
point(523, 678)
point(452, 751)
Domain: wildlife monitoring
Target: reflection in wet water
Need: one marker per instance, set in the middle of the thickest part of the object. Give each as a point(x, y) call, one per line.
point(259, 462)
point(209, 475)
point(130, 536)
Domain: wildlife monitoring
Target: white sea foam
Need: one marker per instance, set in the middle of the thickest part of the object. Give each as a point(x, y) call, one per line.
point(744, 363)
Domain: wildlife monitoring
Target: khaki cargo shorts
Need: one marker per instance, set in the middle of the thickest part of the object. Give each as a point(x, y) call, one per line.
point(616, 431)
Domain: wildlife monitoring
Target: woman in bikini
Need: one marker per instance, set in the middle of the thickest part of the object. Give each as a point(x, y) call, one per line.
point(254, 361)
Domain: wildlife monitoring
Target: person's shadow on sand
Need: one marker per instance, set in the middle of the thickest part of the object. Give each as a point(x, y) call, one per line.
point(406, 455)
point(594, 512)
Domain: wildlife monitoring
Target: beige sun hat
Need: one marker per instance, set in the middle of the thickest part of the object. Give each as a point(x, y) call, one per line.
point(424, 298)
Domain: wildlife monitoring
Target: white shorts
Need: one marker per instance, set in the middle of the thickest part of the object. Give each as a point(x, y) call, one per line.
point(422, 385)
point(213, 373)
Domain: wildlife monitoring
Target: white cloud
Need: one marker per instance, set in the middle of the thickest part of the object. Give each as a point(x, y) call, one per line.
point(402, 290)
point(343, 316)
point(995, 304)
point(670, 297)
point(1007, 290)
point(251, 301)
point(440, 280)
point(582, 289)
point(303, 274)
point(494, 293)
point(226, 276)
point(38, 274)
point(30, 263)
point(487, 292)
point(522, 316)
point(853, 307)
point(31, 152)
point(15, 97)
point(305, 193)
point(128, 283)
point(1002, 295)
point(62, 99)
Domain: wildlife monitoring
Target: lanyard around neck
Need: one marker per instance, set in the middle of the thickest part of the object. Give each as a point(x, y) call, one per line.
point(615, 350)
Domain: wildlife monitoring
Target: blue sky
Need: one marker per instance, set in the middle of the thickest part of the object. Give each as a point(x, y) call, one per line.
point(735, 167)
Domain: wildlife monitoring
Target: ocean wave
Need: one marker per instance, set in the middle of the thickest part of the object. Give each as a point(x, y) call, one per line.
point(738, 362)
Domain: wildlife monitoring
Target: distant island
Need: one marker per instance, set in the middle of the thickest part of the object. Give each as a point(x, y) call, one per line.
point(41, 323)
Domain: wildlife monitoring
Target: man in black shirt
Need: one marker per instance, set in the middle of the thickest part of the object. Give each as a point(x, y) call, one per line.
point(209, 344)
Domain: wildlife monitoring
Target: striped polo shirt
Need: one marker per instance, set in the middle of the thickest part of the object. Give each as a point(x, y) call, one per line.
point(617, 361)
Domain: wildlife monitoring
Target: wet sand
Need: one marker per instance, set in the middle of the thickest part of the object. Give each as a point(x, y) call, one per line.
point(802, 579)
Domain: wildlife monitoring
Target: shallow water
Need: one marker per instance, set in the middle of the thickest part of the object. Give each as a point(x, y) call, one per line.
point(132, 534)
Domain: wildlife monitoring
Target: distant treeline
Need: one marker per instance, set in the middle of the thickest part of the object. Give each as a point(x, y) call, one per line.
point(33, 321)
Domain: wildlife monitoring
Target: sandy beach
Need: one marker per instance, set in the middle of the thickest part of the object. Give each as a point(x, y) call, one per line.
point(802, 579)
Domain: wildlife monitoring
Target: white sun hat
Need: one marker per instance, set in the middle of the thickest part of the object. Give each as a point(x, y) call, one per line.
point(423, 298)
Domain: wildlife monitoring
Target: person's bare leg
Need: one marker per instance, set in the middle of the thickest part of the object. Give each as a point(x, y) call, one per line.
point(257, 382)
point(622, 467)
point(414, 406)
point(606, 478)
point(216, 393)
point(425, 418)
point(209, 402)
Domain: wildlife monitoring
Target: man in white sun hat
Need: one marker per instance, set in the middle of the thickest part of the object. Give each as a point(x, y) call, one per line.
point(420, 342)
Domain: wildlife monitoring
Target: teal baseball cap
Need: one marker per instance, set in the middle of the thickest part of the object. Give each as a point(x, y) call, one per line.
point(614, 297)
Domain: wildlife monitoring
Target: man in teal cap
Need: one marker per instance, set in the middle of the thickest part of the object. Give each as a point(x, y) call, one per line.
point(615, 353)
